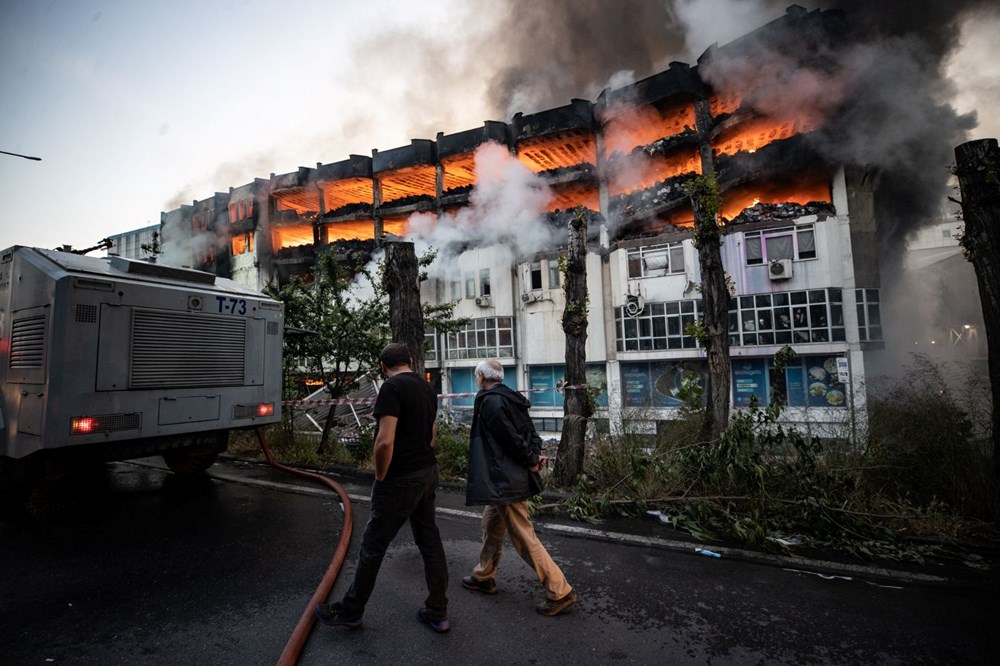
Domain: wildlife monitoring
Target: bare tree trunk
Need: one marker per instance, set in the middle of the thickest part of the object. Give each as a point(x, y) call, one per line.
point(715, 305)
point(704, 192)
point(406, 318)
point(576, 405)
point(978, 168)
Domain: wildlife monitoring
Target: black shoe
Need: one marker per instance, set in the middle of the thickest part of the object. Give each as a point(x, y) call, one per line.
point(336, 615)
point(552, 607)
point(440, 626)
point(488, 586)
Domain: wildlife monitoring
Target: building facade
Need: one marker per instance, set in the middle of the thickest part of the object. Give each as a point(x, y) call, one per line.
point(798, 245)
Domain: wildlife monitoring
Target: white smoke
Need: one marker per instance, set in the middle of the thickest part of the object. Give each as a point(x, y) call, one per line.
point(505, 213)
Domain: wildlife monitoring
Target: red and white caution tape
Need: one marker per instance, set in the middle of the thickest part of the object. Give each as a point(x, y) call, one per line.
point(441, 396)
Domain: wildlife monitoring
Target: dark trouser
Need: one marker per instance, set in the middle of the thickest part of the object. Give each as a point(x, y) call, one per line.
point(394, 501)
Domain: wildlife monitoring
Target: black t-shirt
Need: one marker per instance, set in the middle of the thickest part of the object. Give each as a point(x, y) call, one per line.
point(410, 398)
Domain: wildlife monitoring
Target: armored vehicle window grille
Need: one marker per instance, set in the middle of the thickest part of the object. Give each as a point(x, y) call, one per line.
point(272, 328)
point(86, 314)
point(177, 349)
point(27, 343)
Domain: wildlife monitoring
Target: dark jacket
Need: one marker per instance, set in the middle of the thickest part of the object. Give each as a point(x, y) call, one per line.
point(503, 447)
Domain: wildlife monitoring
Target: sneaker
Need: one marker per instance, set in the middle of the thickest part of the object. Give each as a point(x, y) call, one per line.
point(488, 586)
point(336, 615)
point(440, 626)
point(552, 607)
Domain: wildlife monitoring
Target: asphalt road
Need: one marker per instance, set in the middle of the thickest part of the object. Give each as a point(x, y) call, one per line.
point(126, 563)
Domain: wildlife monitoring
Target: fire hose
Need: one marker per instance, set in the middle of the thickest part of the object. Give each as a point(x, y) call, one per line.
point(293, 647)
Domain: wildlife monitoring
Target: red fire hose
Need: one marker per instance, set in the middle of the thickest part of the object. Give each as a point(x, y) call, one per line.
point(290, 655)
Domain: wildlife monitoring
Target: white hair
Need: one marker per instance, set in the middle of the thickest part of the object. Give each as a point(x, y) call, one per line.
point(490, 370)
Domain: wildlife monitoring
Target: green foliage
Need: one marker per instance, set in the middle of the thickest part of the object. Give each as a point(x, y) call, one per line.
point(925, 444)
point(452, 448)
point(345, 330)
point(762, 479)
point(704, 193)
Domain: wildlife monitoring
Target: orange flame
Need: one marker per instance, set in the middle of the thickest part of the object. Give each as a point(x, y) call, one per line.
point(291, 235)
point(418, 180)
point(640, 172)
point(814, 187)
point(632, 126)
point(565, 149)
point(340, 193)
point(756, 133)
point(571, 195)
point(458, 171)
point(360, 230)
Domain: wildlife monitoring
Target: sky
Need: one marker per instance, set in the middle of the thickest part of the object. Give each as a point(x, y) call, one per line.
point(138, 106)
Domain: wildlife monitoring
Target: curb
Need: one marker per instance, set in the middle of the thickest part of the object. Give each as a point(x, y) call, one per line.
point(827, 569)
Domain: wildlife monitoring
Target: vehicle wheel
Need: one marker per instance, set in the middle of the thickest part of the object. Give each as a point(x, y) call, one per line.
point(17, 481)
point(190, 461)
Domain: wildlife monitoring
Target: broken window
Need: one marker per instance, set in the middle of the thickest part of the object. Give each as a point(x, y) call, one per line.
point(656, 260)
point(484, 282)
point(536, 275)
point(553, 274)
point(785, 243)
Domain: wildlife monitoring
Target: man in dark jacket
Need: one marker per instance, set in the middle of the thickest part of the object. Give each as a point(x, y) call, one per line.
point(406, 478)
point(504, 461)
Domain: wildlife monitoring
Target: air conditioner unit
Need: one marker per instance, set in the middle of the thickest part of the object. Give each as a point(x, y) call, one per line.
point(780, 269)
point(525, 297)
point(484, 301)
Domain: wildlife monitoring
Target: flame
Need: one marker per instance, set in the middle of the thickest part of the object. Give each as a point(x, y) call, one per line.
point(339, 193)
point(398, 226)
point(570, 195)
point(814, 187)
point(299, 199)
point(639, 172)
point(756, 133)
point(360, 230)
point(631, 126)
point(291, 235)
point(565, 149)
point(243, 243)
point(458, 171)
point(724, 103)
point(418, 180)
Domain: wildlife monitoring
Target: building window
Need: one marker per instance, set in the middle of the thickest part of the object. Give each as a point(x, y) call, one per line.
point(463, 381)
point(786, 243)
point(869, 315)
point(545, 382)
point(232, 213)
point(430, 345)
point(536, 275)
point(809, 381)
point(456, 287)
point(470, 285)
point(656, 260)
point(243, 243)
point(660, 383)
point(487, 337)
point(243, 210)
point(784, 318)
point(484, 282)
point(657, 326)
point(548, 424)
point(554, 277)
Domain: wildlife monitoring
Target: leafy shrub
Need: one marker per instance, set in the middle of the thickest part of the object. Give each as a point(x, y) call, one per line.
point(452, 448)
point(924, 445)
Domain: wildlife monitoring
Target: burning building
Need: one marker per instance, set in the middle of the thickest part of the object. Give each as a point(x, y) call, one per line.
point(799, 227)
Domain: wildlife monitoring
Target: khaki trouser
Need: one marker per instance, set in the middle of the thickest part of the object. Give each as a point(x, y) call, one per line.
point(498, 521)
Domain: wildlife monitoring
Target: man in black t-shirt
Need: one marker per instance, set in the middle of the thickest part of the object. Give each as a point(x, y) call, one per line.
point(406, 477)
